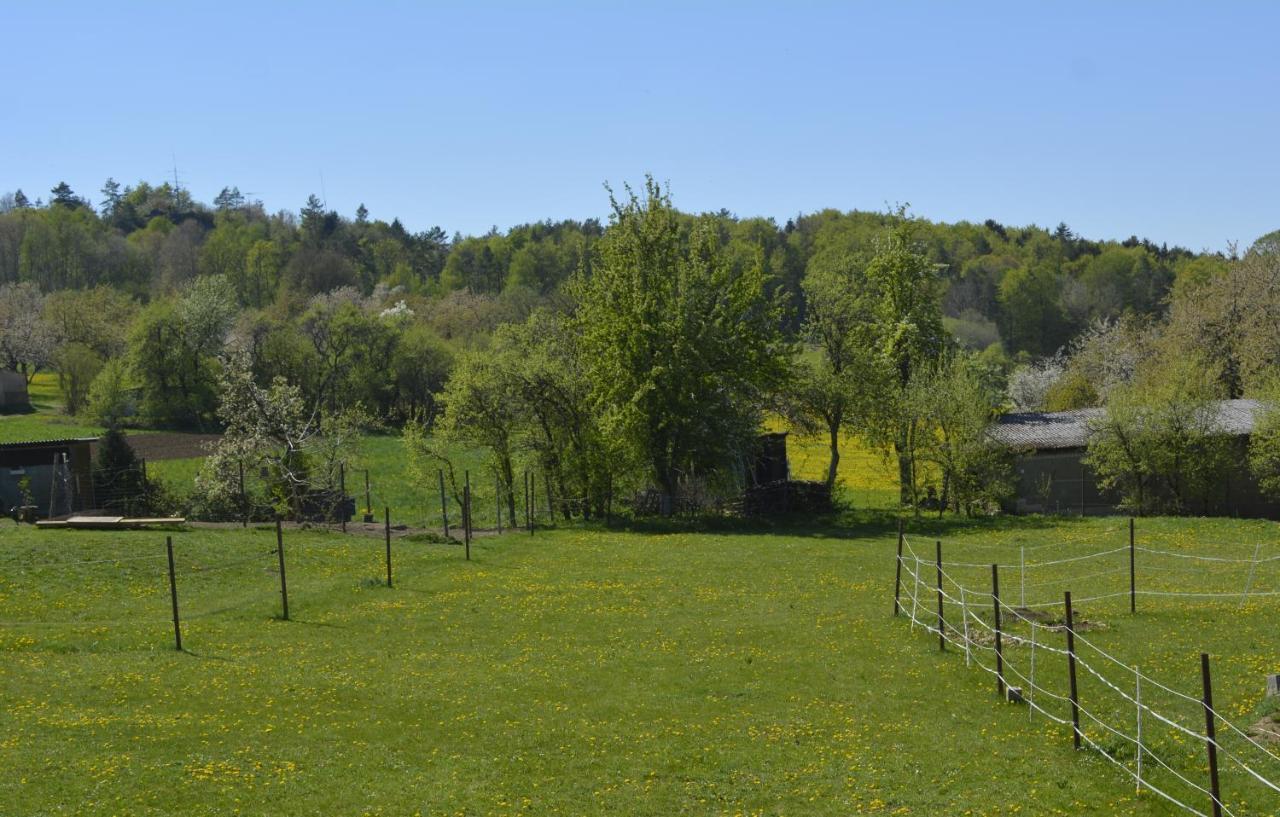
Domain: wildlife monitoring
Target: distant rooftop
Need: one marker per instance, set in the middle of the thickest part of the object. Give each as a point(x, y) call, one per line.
point(37, 443)
point(1070, 429)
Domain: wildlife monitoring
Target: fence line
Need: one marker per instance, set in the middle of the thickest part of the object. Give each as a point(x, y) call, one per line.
point(1009, 667)
point(1035, 694)
point(1248, 582)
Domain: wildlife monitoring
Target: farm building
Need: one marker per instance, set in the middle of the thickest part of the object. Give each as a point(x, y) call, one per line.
point(58, 475)
point(13, 391)
point(1051, 476)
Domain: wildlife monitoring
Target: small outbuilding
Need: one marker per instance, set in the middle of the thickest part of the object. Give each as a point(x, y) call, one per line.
point(56, 476)
point(13, 391)
point(770, 465)
point(1051, 476)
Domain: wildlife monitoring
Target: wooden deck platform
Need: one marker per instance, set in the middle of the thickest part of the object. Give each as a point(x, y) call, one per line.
point(109, 522)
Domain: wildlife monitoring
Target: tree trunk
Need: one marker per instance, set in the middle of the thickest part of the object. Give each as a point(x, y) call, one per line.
point(906, 478)
point(509, 482)
point(834, 429)
point(667, 500)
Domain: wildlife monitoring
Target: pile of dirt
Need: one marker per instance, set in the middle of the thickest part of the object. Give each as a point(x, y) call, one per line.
point(1036, 616)
point(1267, 730)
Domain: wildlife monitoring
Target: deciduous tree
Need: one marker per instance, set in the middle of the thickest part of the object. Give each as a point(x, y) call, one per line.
point(680, 350)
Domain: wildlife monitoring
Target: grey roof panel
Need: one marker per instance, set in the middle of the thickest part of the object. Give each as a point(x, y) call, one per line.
point(48, 442)
point(1070, 429)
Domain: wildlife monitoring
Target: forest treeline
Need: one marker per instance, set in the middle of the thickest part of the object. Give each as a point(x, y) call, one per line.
point(1027, 288)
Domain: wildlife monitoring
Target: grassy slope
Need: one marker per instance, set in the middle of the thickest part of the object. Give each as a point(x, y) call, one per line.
point(47, 422)
point(574, 672)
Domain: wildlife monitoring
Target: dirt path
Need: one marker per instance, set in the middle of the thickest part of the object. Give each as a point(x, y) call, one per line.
point(171, 445)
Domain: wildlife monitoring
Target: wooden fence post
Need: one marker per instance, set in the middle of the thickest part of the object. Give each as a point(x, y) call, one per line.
point(1210, 733)
point(244, 500)
point(387, 529)
point(173, 594)
point(444, 503)
point(284, 586)
point(995, 601)
point(497, 501)
point(942, 624)
point(1071, 670)
point(897, 579)
point(342, 494)
point(528, 511)
point(466, 520)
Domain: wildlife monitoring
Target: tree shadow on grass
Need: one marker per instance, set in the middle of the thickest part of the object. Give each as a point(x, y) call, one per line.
point(845, 524)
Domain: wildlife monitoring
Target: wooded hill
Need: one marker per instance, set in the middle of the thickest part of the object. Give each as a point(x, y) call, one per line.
point(1027, 288)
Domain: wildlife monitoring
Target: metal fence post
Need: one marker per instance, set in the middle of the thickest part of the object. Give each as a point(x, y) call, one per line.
point(942, 624)
point(1071, 670)
point(284, 586)
point(1133, 576)
point(444, 503)
point(173, 594)
point(995, 601)
point(897, 580)
point(1210, 734)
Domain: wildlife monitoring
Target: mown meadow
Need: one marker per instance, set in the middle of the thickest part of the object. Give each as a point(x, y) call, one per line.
point(574, 671)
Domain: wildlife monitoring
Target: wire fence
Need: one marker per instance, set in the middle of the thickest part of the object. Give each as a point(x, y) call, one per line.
point(196, 582)
point(1164, 739)
point(449, 502)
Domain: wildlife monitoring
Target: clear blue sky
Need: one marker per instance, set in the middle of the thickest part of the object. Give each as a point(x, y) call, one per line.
point(1119, 118)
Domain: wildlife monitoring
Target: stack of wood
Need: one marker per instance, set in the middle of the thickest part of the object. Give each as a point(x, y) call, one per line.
point(787, 496)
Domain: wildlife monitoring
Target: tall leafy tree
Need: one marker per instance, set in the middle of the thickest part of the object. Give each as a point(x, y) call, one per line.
point(174, 346)
point(680, 349)
point(955, 407)
point(837, 384)
point(1158, 444)
point(908, 317)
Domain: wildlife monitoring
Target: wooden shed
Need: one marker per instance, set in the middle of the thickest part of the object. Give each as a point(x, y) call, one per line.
point(58, 475)
point(1052, 477)
point(13, 391)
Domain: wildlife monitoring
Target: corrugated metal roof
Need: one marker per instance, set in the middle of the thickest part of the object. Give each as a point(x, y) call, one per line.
point(59, 441)
point(1070, 429)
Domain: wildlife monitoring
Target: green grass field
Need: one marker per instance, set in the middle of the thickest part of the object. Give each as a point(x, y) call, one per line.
point(649, 671)
point(574, 672)
point(47, 421)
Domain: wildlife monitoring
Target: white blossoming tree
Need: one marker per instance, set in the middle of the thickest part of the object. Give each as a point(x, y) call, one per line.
point(270, 430)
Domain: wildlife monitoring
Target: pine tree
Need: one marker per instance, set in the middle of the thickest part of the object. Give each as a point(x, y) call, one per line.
point(229, 199)
point(110, 197)
point(118, 477)
point(64, 196)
